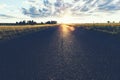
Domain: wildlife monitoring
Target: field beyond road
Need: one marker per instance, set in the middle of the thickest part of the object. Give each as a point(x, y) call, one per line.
point(111, 28)
point(12, 31)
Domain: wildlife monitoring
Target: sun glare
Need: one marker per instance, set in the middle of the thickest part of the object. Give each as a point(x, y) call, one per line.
point(67, 28)
point(66, 17)
point(66, 20)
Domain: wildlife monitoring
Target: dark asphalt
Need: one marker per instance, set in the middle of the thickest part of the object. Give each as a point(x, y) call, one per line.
point(52, 54)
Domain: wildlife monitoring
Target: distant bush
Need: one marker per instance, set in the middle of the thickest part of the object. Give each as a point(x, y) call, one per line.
point(51, 22)
point(30, 22)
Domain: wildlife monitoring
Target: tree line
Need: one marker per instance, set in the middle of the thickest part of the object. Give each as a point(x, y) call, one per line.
point(31, 22)
point(112, 22)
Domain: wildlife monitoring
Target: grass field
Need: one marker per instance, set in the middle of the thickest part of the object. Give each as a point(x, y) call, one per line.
point(112, 28)
point(9, 32)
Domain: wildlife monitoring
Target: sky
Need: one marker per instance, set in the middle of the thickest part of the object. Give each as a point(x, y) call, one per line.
point(64, 11)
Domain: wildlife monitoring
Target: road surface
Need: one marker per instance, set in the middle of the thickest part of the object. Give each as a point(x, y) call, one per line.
point(61, 54)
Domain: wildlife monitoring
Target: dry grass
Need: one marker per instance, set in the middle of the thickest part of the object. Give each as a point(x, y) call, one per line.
point(96, 24)
point(9, 32)
point(112, 28)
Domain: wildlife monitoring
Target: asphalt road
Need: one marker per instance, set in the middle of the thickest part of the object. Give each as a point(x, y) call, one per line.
point(57, 54)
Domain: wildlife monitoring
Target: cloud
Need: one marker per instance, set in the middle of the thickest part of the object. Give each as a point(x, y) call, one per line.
point(33, 12)
point(6, 16)
point(2, 6)
point(46, 8)
point(75, 8)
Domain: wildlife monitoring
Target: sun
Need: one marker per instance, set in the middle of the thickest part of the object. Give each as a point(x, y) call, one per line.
point(66, 17)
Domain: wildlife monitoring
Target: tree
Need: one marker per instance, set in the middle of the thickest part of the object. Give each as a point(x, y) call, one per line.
point(24, 22)
point(51, 22)
point(41, 23)
point(113, 21)
point(48, 22)
point(30, 22)
point(108, 22)
point(17, 23)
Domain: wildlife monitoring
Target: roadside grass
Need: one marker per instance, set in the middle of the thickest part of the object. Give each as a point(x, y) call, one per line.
point(12, 31)
point(112, 28)
point(9, 32)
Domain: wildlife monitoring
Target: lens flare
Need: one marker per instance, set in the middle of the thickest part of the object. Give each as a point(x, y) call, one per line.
point(67, 28)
